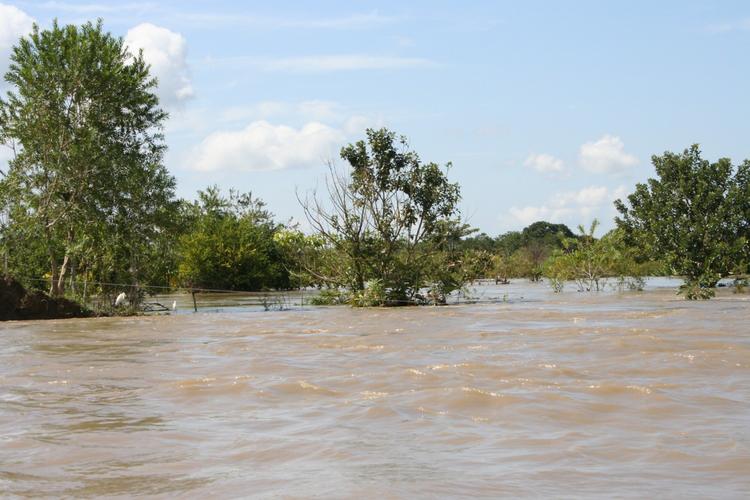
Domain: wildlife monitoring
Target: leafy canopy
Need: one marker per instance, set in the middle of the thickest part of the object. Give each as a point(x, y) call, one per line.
point(231, 244)
point(87, 177)
point(694, 216)
point(387, 216)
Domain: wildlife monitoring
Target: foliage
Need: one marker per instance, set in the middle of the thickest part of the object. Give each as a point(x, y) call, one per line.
point(694, 290)
point(695, 216)
point(589, 262)
point(546, 233)
point(452, 270)
point(86, 186)
point(386, 219)
point(330, 297)
point(374, 294)
point(231, 245)
point(481, 242)
point(509, 243)
point(517, 254)
point(476, 264)
point(309, 261)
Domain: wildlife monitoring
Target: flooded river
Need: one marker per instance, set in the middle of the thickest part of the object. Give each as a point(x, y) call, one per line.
point(636, 395)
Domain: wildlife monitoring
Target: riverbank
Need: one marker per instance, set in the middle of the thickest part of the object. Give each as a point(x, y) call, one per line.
point(17, 303)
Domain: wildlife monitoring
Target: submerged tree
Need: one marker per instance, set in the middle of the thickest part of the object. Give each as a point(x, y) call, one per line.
point(87, 178)
point(387, 217)
point(695, 216)
point(590, 262)
point(231, 244)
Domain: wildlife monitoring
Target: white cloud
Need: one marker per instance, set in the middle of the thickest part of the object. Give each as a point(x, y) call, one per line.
point(314, 110)
point(357, 124)
point(166, 52)
point(320, 110)
point(586, 197)
point(202, 121)
point(14, 23)
point(607, 155)
point(544, 163)
point(262, 146)
point(571, 207)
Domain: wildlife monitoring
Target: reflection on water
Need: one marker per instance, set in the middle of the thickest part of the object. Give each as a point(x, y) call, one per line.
point(636, 394)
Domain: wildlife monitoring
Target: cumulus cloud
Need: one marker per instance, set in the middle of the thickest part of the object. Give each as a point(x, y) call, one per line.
point(607, 155)
point(263, 146)
point(357, 124)
point(14, 23)
point(544, 163)
point(166, 52)
point(571, 207)
point(314, 110)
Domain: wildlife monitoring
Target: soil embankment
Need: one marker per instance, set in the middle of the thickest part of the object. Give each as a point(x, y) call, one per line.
point(17, 303)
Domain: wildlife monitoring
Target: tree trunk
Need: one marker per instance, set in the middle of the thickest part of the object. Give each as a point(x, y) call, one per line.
point(61, 277)
point(53, 273)
point(73, 275)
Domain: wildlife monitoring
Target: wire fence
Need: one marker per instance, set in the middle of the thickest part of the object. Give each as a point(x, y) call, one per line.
point(266, 299)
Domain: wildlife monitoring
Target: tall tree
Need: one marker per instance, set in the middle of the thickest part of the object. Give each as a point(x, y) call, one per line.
point(387, 216)
point(694, 216)
point(88, 170)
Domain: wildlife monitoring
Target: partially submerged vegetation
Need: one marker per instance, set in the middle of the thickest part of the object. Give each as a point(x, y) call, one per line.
point(387, 225)
point(87, 208)
point(590, 262)
point(695, 217)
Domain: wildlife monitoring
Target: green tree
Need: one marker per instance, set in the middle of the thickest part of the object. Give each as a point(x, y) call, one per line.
point(590, 262)
point(509, 243)
point(546, 233)
point(694, 216)
point(308, 259)
point(87, 176)
point(480, 242)
point(231, 245)
point(387, 217)
point(540, 240)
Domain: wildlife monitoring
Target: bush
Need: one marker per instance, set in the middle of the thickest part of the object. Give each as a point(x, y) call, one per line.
point(374, 294)
point(330, 297)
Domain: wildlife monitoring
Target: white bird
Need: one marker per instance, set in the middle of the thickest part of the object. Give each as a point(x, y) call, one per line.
point(174, 305)
point(120, 299)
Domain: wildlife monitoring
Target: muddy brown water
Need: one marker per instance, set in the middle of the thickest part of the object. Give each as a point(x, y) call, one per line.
point(635, 395)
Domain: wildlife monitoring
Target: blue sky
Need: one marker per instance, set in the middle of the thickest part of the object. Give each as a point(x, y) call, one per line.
point(548, 110)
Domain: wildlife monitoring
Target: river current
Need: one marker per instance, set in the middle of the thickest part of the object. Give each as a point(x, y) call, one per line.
point(630, 395)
